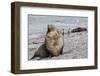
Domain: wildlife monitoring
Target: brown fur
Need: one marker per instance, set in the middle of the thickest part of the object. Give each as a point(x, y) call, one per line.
point(53, 45)
point(54, 41)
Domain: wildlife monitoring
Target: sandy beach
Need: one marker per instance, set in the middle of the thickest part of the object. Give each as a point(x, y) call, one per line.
point(75, 46)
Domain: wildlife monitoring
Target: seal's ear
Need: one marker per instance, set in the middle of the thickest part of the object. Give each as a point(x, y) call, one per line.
point(60, 32)
point(50, 28)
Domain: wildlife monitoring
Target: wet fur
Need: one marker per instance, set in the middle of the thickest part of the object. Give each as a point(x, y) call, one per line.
point(41, 52)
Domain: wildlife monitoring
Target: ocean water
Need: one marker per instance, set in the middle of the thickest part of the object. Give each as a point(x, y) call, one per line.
point(37, 24)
